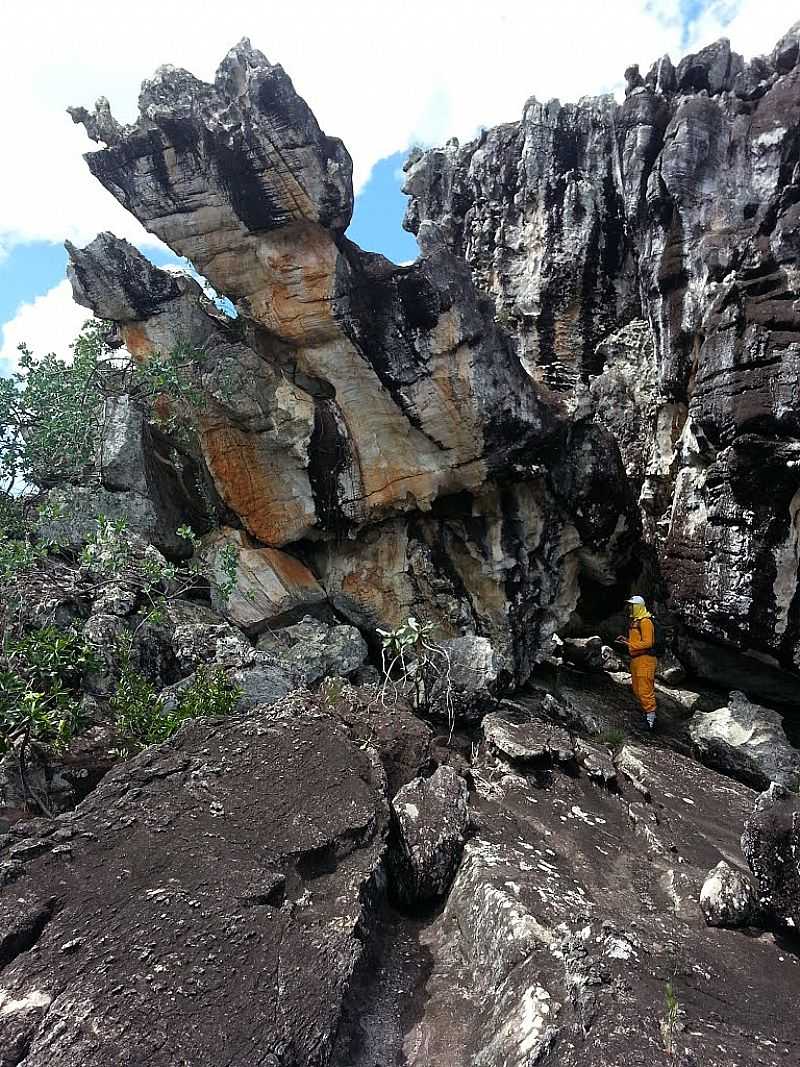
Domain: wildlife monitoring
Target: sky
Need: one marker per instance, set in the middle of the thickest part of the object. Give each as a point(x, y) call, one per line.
point(381, 75)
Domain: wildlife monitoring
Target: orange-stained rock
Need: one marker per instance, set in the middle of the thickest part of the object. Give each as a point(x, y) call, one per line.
point(373, 415)
point(255, 586)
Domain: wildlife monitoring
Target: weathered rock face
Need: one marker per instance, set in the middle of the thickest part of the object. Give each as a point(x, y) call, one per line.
point(771, 844)
point(375, 417)
point(572, 908)
point(225, 875)
point(747, 741)
point(678, 207)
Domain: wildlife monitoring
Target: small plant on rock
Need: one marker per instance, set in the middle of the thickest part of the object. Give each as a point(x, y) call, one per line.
point(670, 1024)
point(614, 737)
point(418, 668)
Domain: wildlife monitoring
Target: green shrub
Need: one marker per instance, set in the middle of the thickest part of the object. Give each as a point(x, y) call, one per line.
point(142, 717)
point(40, 685)
point(417, 667)
point(613, 737)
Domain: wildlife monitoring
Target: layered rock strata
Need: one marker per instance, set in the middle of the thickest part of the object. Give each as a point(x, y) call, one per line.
point(676, 210)
point(372, 421)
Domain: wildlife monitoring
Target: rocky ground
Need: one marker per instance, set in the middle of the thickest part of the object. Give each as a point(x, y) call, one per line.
point(296, 886)
point(586, 384)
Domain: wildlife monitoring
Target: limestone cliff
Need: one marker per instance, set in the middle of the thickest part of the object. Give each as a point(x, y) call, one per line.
point(644, 258)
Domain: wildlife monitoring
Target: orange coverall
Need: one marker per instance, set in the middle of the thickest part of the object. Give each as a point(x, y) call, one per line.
point(641, 635)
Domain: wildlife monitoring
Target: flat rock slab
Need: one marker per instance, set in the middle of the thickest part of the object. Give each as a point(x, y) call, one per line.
point(568, 917)
point(522, 737)
point(204, 906)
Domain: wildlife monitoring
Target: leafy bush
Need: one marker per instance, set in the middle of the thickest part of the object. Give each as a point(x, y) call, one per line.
point(57, 410)
point(142, 716)
point(40, 684)
point(52, 410)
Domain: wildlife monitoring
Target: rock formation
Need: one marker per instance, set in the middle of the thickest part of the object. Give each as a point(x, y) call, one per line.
point(369, 422)
point(605, 308)
point(747, 741)
point(643, 258)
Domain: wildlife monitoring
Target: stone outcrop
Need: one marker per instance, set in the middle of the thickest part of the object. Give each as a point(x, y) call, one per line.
point(728, 897)
point(643, 259)
point(261, 854)
point(370, 420)
point(572, 907)
point(748, 741)
point(771, 845)
point(430, 819)
point(316, 649)
point(224, 875)
point(604, 310)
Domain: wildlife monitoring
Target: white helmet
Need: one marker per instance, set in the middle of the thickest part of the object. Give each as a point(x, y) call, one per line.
point(636, 600)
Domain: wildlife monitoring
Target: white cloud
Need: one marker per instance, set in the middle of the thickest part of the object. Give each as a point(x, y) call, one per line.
point(50, 323)
point(378, 75)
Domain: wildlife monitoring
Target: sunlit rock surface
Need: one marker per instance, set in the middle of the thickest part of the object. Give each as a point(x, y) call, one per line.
point(374, 420)
point(678, 208)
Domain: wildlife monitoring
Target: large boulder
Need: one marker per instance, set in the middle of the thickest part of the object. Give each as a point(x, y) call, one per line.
point(317, 649)
point(747, 741)
point(144, 480)
point(728, 897)
point(430, 819)
point(522, 737)
point(252, 585)
point(771, 845)
point(243, 856)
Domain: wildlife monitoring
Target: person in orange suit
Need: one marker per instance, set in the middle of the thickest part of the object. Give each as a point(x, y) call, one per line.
point(640, 643)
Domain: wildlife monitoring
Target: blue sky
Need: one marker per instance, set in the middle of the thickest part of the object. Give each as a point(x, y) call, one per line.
point(367, 71)
point(31, 269)
point(35, 268)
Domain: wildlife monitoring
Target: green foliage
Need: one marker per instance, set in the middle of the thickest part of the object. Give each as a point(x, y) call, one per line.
point(211, 695)
point(51, 413)
point(670, 1024)
point(142, 717)
point(40, 684)
point(227, 573)
point(405, 639)
point(415, 666)
point(613, 737)
point(331, 691)
point(111, 556)
point(170, 383)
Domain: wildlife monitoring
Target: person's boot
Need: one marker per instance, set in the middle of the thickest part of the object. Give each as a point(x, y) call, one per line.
point(651, 720)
